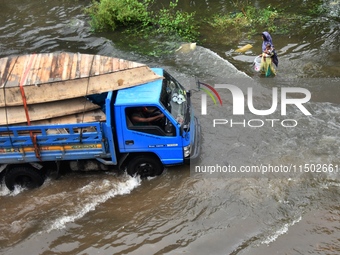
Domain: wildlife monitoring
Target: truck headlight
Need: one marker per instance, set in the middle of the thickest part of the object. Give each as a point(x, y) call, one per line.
point(187, 151)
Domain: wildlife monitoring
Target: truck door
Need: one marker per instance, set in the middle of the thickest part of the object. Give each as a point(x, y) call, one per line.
point(157, 133)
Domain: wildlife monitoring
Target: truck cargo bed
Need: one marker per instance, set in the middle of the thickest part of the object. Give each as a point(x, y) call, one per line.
point(52, 142)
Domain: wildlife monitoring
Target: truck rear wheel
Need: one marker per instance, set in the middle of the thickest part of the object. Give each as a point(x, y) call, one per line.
point(145, 166)
point(24, 176)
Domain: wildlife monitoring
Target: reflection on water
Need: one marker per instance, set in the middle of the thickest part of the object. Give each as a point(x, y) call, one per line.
point(178, 213)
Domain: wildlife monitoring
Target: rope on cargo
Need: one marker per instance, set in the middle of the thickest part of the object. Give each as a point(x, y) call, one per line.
point(23, 79)
point(87, 89)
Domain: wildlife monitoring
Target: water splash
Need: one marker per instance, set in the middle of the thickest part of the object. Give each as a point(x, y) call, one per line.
point(96, 195)
point(282, 230)
point(4, 191)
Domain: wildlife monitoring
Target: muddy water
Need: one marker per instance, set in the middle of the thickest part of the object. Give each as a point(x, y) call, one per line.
point(182, 212)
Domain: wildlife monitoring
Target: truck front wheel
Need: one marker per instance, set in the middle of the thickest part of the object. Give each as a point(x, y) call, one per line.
point(145, 166)
point(24, 176)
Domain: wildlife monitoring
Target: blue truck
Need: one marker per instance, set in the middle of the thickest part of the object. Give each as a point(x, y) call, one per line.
point(29, 152)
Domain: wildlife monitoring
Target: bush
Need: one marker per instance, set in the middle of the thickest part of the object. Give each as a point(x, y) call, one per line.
point(245, 18)
point(135, 18)
point(171, 20)
point(110, 14)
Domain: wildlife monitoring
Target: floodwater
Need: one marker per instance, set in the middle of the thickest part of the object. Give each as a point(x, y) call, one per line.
point(183, 212)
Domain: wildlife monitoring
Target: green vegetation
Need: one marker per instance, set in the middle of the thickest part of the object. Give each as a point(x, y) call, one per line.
point(164, 29)
point(111, 14)
point(171, 20)
point(135, 17)
point(245, 22)
point(317, 9)
point(247, 18)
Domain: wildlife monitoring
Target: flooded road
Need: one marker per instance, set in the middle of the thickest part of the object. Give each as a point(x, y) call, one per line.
point(182, 211)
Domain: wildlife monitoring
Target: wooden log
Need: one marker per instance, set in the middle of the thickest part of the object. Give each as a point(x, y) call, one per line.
point(82, 117)
point(49, 77)
point(49, 110)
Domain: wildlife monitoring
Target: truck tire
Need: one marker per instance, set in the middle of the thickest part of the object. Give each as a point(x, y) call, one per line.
point(145, 166)
point(24, 176)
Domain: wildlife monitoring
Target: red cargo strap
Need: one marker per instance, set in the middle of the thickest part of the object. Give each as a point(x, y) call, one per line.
point(23, 79)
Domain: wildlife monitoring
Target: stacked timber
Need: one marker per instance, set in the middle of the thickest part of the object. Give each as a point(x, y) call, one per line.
point(51, 88)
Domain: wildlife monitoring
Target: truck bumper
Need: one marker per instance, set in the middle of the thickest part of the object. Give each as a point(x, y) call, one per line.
point(196, 143)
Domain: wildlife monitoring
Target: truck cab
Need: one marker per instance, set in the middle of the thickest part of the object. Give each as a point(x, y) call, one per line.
point(171, 140)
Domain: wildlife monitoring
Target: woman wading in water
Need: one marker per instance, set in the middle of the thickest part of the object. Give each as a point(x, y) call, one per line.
point(269, 56)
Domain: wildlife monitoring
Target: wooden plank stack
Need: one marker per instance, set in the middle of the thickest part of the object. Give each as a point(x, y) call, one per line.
point(51, 87)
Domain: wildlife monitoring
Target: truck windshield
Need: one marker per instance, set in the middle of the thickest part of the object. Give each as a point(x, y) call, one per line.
point(174, 98)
